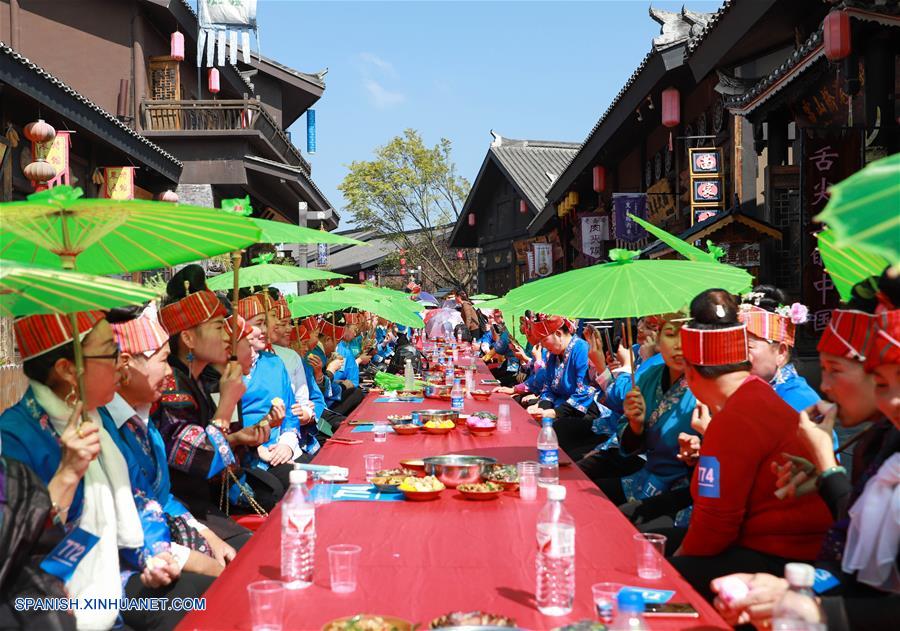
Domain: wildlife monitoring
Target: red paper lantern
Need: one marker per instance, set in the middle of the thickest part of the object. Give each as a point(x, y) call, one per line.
point(176, 46)
point(39, 131)
point(39, 172)
point(214, 81)
point(599, 173)
point(403, 271)
point(169, 196)
point(671, 107)
point(459, 255)
point(362, 277)
point(471, 219)
point(523, 206)
point(402, 261)
point(837, 35)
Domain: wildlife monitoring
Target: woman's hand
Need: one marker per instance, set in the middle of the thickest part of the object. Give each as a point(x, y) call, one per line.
point(535, 409)
point(161, 570)
point(700, 418)
point(595, 352)
point(280, 454)
point(222, 552)
point(751, 603)
point(635, 409)
point(80, 442)
point(231, 389)
point(302, 412)
point(688, 448)
point(335, 365)
point(200, 563)
point(796, 477)
point(252, 436)
point(817, 437)
point(277, 412)
point(504, 390)
point(315, 362)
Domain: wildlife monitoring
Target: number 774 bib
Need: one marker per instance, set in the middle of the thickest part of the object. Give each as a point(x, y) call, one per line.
point(708, 477)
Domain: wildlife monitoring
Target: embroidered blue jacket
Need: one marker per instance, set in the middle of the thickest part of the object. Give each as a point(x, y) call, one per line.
point(567, 377)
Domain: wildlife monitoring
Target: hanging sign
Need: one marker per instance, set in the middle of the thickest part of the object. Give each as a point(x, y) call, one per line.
point(625, 204)
point(660, 202)
point(594, 232)
point(222, 22)
point(310, 131)
point(707, 185)
point(321, 254)
point(56, 152)
point(543, 259)
point(118, 183)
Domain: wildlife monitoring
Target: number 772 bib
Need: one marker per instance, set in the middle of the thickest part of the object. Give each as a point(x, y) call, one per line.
point(68, 553)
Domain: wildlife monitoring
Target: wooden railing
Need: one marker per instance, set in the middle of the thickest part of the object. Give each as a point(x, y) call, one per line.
point(13, 384)
point(225, 115)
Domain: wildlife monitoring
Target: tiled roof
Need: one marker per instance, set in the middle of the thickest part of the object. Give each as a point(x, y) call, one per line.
point(33, 67)
point(710, 25)
point(531, 163)
point(299, 171)
point(801, 59)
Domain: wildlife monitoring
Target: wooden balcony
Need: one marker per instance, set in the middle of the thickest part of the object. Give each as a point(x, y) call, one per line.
point(219, 116)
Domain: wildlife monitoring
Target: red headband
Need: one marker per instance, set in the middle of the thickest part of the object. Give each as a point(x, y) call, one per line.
point(141, 335)
point(250, 307)
point(192, 310)
point(282, 311)
point(39, 334)
point(549, 326)
point(714, 347)
point(299, 333)
point(331, 330)
point(312, 323)
point(848, 335)
point(885, 347)
point(244, 329)
point(768, 325)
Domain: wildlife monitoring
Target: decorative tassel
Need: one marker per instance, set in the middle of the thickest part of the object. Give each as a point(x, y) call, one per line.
point(12, 136)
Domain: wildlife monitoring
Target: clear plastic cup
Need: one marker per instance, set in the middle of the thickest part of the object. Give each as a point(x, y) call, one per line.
point(528, 475)
point(323, 489)
point(504, 424)
point(343, 562)
point(605, 595)
point(651, 552)
point(380, 431)
point(266, 605)
point(374, 463)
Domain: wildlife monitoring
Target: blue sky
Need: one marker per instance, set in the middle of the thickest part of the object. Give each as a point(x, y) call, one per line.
point(539, 70)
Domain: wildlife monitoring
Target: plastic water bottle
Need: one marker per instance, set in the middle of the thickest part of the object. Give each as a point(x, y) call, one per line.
point(448, 372)
point(298, 534)
point(548, 454)
point(631, 612)
point(457, 396)
point(798, 609)
point(409, 378)
point(555, 562)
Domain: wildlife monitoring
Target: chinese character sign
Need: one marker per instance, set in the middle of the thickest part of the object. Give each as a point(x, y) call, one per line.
point(56, 152)
point(594, 231)
point(623, 205)
point(311, 131)
point(543, 259)
point(321, 254)
point(118, 183)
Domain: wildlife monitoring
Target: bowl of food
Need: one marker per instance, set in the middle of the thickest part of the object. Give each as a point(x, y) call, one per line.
point(455, 469)
point(472, 620)
point(421, 489)
point(488, 416)
point(388, 484)
point(368, 622)
point(481, 395)
point(409, 396)
point(482, 431)
point(436, 391)
point(505, 475)
point(406, 429)
point(481, 490)
point(439, 427)
point(437, 415)
point(400, 419)
point(417, 465)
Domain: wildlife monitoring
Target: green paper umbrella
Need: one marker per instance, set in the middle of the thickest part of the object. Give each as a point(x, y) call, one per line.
point(347, 296)
point(58, 228)
point(626, 288)
point(264, 274)
point(681, 246)
point(278, 232)
point(29, 290)
point(864, 210)
point(849, 265)
point(482, 297)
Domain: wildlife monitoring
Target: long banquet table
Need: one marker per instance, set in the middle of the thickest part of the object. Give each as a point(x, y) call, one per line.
point(421, 560)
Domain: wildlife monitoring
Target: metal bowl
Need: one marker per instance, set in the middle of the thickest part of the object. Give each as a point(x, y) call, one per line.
point(454, 470)
point(436, 391)
point(437, 415)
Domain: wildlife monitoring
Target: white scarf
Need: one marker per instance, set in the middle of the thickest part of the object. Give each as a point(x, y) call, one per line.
point(874, 532)
point(108, 511)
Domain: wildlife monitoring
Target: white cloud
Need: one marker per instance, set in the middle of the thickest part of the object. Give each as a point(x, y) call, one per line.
point(381, 97)
point(373, 61)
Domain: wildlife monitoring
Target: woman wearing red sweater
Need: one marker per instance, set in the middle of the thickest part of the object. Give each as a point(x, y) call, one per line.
point(737, 520)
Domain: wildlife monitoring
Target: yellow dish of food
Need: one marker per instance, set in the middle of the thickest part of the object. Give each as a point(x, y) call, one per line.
point(440, 424)
point(418, 485)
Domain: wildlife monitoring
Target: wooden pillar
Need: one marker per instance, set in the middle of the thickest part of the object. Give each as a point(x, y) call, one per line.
point(14, 24)
point(138, 68)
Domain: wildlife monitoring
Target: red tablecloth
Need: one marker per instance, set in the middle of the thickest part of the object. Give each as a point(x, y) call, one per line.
point(423, 560)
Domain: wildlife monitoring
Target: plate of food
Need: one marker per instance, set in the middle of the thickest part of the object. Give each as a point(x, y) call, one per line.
point(505, 475)
point(406, 429)
point(473, 619)
point(481, 426)
point(481, 395)
point(414, 464)
point(481, 490)
point(368, 622)
point(439, 427)
point(399, 419)
point(422, 489)
point(387, 484)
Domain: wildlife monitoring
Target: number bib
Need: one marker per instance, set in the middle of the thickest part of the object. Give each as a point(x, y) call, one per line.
point(68, 553)
point(708, 477)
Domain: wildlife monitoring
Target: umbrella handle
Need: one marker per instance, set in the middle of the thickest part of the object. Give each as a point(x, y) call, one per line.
point(630, 349)
point(235, 267)
point(79, 364)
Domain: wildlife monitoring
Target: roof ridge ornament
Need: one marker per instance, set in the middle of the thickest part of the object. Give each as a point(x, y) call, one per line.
point(498, 139)
point(677, 26)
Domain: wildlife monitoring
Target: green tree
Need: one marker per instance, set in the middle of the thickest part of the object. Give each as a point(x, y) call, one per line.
point(411, 194)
